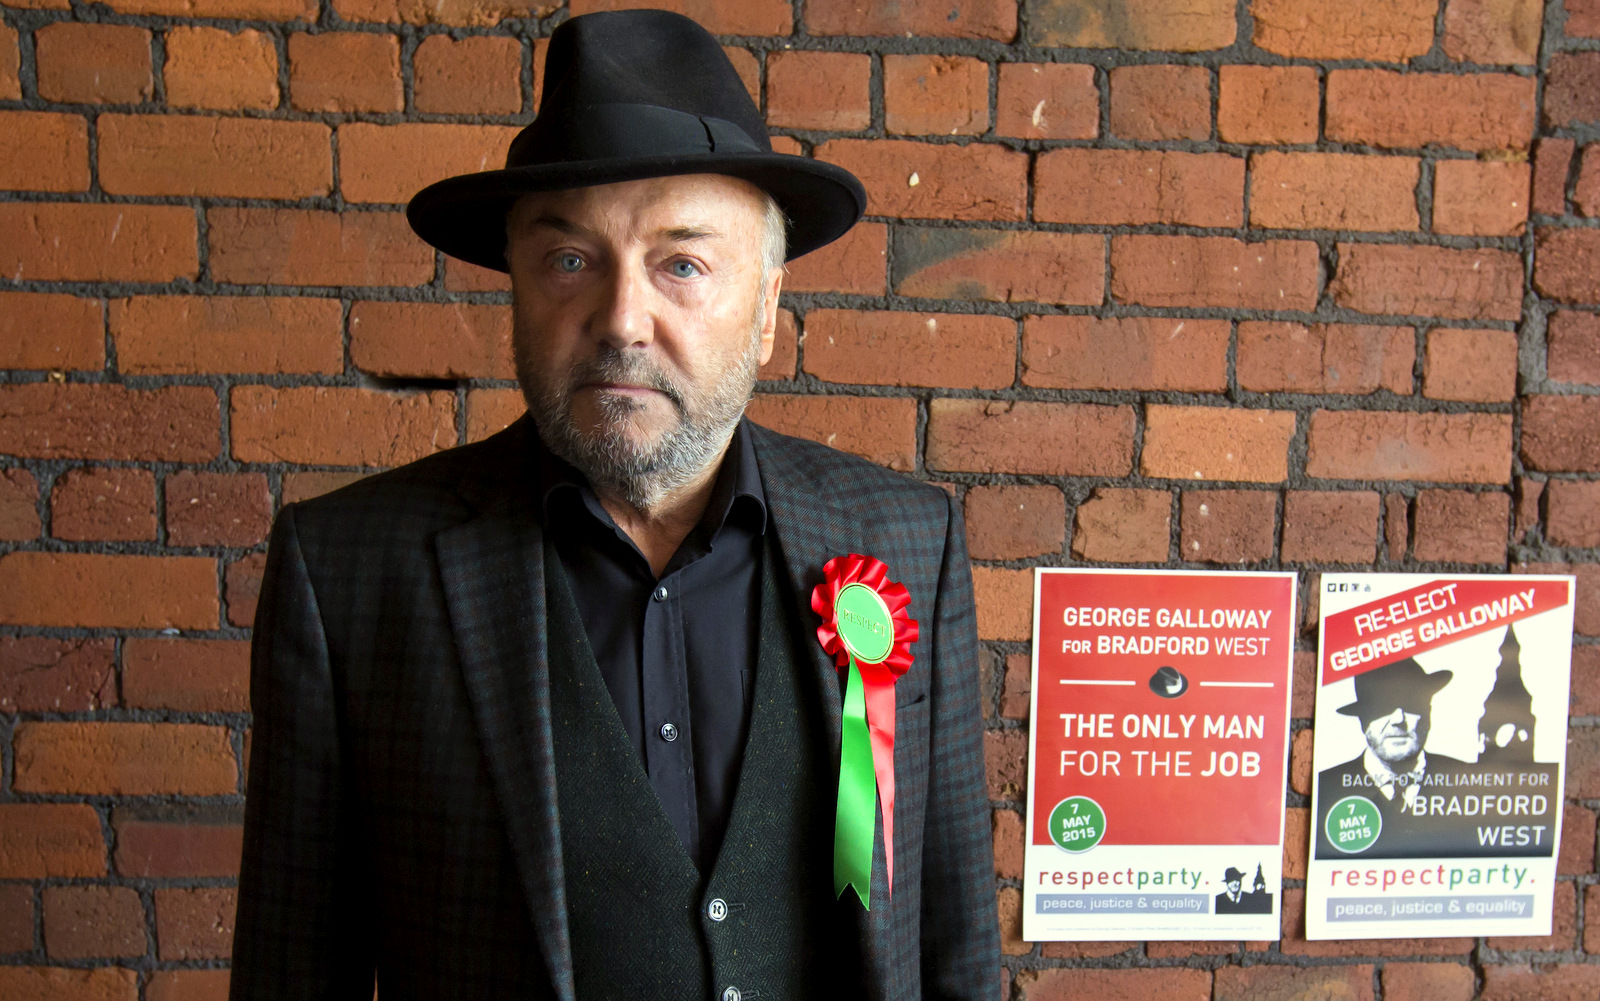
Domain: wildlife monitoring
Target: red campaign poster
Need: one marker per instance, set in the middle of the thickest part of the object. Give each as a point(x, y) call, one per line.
point(1159, 754)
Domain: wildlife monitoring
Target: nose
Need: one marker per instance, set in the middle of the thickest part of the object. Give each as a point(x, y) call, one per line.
point(623, 317)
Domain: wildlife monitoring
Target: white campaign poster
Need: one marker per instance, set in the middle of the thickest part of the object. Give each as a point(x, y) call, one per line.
point(1158, 755)
point(1439, 755)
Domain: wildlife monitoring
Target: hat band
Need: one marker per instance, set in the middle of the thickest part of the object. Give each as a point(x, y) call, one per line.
point(615, 131)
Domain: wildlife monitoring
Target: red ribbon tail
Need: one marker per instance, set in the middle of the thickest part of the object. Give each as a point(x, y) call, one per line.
point(878, 686)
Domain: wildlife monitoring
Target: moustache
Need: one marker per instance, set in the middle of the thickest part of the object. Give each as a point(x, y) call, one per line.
point(613, 366)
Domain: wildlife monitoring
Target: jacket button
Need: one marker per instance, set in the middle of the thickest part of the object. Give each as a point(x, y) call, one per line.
point(669, 732)
point(731, 994)
point(717, 909)
point(661, 594)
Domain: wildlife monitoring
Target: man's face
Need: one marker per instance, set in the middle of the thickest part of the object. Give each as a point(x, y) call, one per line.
point(1234, 886)
point(642, 311)
point(1398, 735)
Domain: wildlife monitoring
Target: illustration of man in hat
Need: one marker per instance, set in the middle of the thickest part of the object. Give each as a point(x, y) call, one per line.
point(560, 714)
point(1234, 899)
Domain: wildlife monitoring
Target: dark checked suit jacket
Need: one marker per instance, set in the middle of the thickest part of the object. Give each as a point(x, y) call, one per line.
point(402, 811)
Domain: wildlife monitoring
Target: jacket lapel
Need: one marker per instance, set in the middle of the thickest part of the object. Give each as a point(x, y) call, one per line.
point(493, 576)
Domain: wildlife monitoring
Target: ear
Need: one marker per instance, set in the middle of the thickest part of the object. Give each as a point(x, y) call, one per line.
point(769, 312)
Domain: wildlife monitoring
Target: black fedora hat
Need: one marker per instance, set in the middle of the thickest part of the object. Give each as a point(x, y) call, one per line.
point(1401, 684)
point(628, 95)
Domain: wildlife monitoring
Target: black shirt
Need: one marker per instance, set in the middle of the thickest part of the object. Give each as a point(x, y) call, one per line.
point(677, 653)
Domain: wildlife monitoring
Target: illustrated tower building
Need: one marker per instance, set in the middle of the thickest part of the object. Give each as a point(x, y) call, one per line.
point(1505, 734)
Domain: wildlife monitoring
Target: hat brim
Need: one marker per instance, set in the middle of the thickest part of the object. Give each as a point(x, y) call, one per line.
point(1436, 680)
point(465, 216)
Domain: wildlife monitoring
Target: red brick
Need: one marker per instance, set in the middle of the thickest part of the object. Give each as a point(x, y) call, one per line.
point(241, 588)
point(201, 335)
point(390, 163)
point(1396, 279)
point(992, 19)
point(93, 63)
point(40, 330)
point(1561, 433)
point(41, 241)
point(476, 75)
point(1374, 445)
point(746, 17)
point(1585, 701)
point(1267, 104)
point(1586, 189)
point(1563, 928)
point(470, 13)
point(178, 848)
point(1008, 901)
point(16, 917)
point(85, 922)
point(1493, 31)
point(194, 924)
point(1000, 265)
point(1015, 522)
point(1083, 950)
point(1168, 983)
point(1154, 102)
point(1004, 601)
point(1214, 271)
point(1583, 18)
point(881, 429)
point(1330, 526)
point(827, 91)
point(1572, 89)
point(50, 983)
point(1047, 101)
point(1142, 24)
point(10, 64)
point(1006, 757)
point(1015, 695)
point(104, 504)
point(1583, 747)
point(1123, 526)
point(217, 68)
point(459, 276)
point(1577, 833)
point(1574, 518)
point(928, 349)
point(186, 675)
point(38, 674)
point(103, 591)
point(217, 509)
point(489, 411)
point(1528, 493)
point(1318, 29)
point(47, 840)
point(1228, 526)
point(1324, 358)
point(306, 247)
point(1300, 761)
point(1476, 111)
point(1566, 265)
point(197, 155)
point(1479, 366)
point(1563, 982)
point(124, 759)
point(19, 506)
point(1131, 187)
point(187, 985)
point(345, 71)
point(1007, 836)
point(1551, 160)
point(1480, 198)
point(935, 95)
point(1217, 443)
point(1343, 191)
point(1462, 527)
point(43, 151)
point(855, 263)
point(1428, 982)
point(1145, 353)
point(304, 486)
point(339, 426)
point(935, 181)
point(86, 421)
point(1291, 983)
point(1049, 439)
point(1184, 950)
point(432, 340)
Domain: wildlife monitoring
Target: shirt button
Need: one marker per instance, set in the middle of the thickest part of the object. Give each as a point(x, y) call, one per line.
point(717, 909)
point(669, 732)
point(661, 594)
point(731, 994)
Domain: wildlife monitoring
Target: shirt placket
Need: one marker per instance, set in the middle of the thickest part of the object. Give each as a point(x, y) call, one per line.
point(669, 746)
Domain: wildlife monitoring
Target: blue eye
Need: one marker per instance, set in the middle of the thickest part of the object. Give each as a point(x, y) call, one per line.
point(569, 263)
point(683, 269)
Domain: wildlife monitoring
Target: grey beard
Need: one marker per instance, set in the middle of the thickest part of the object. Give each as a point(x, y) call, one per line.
point(641, 476)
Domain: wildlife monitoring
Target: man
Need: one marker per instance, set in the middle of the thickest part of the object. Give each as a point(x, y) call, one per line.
point(548, 716)
point(1233, 899)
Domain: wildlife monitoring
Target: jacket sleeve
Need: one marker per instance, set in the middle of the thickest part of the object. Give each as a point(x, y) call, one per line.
point(304, 920)
point(960, 927)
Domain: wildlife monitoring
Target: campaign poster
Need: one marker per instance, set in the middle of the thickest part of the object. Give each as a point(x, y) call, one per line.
point(1159, 743)
point(1439, 751)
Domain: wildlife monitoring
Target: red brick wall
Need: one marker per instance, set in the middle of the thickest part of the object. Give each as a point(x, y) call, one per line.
point(1275, 283)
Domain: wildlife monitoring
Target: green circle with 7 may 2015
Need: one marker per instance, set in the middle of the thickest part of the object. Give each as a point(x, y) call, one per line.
point(1353, 825)
point(864, 623)
point(1077, 824)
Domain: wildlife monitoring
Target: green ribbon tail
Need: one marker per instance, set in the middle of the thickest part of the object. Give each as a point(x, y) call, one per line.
point(856, 820)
